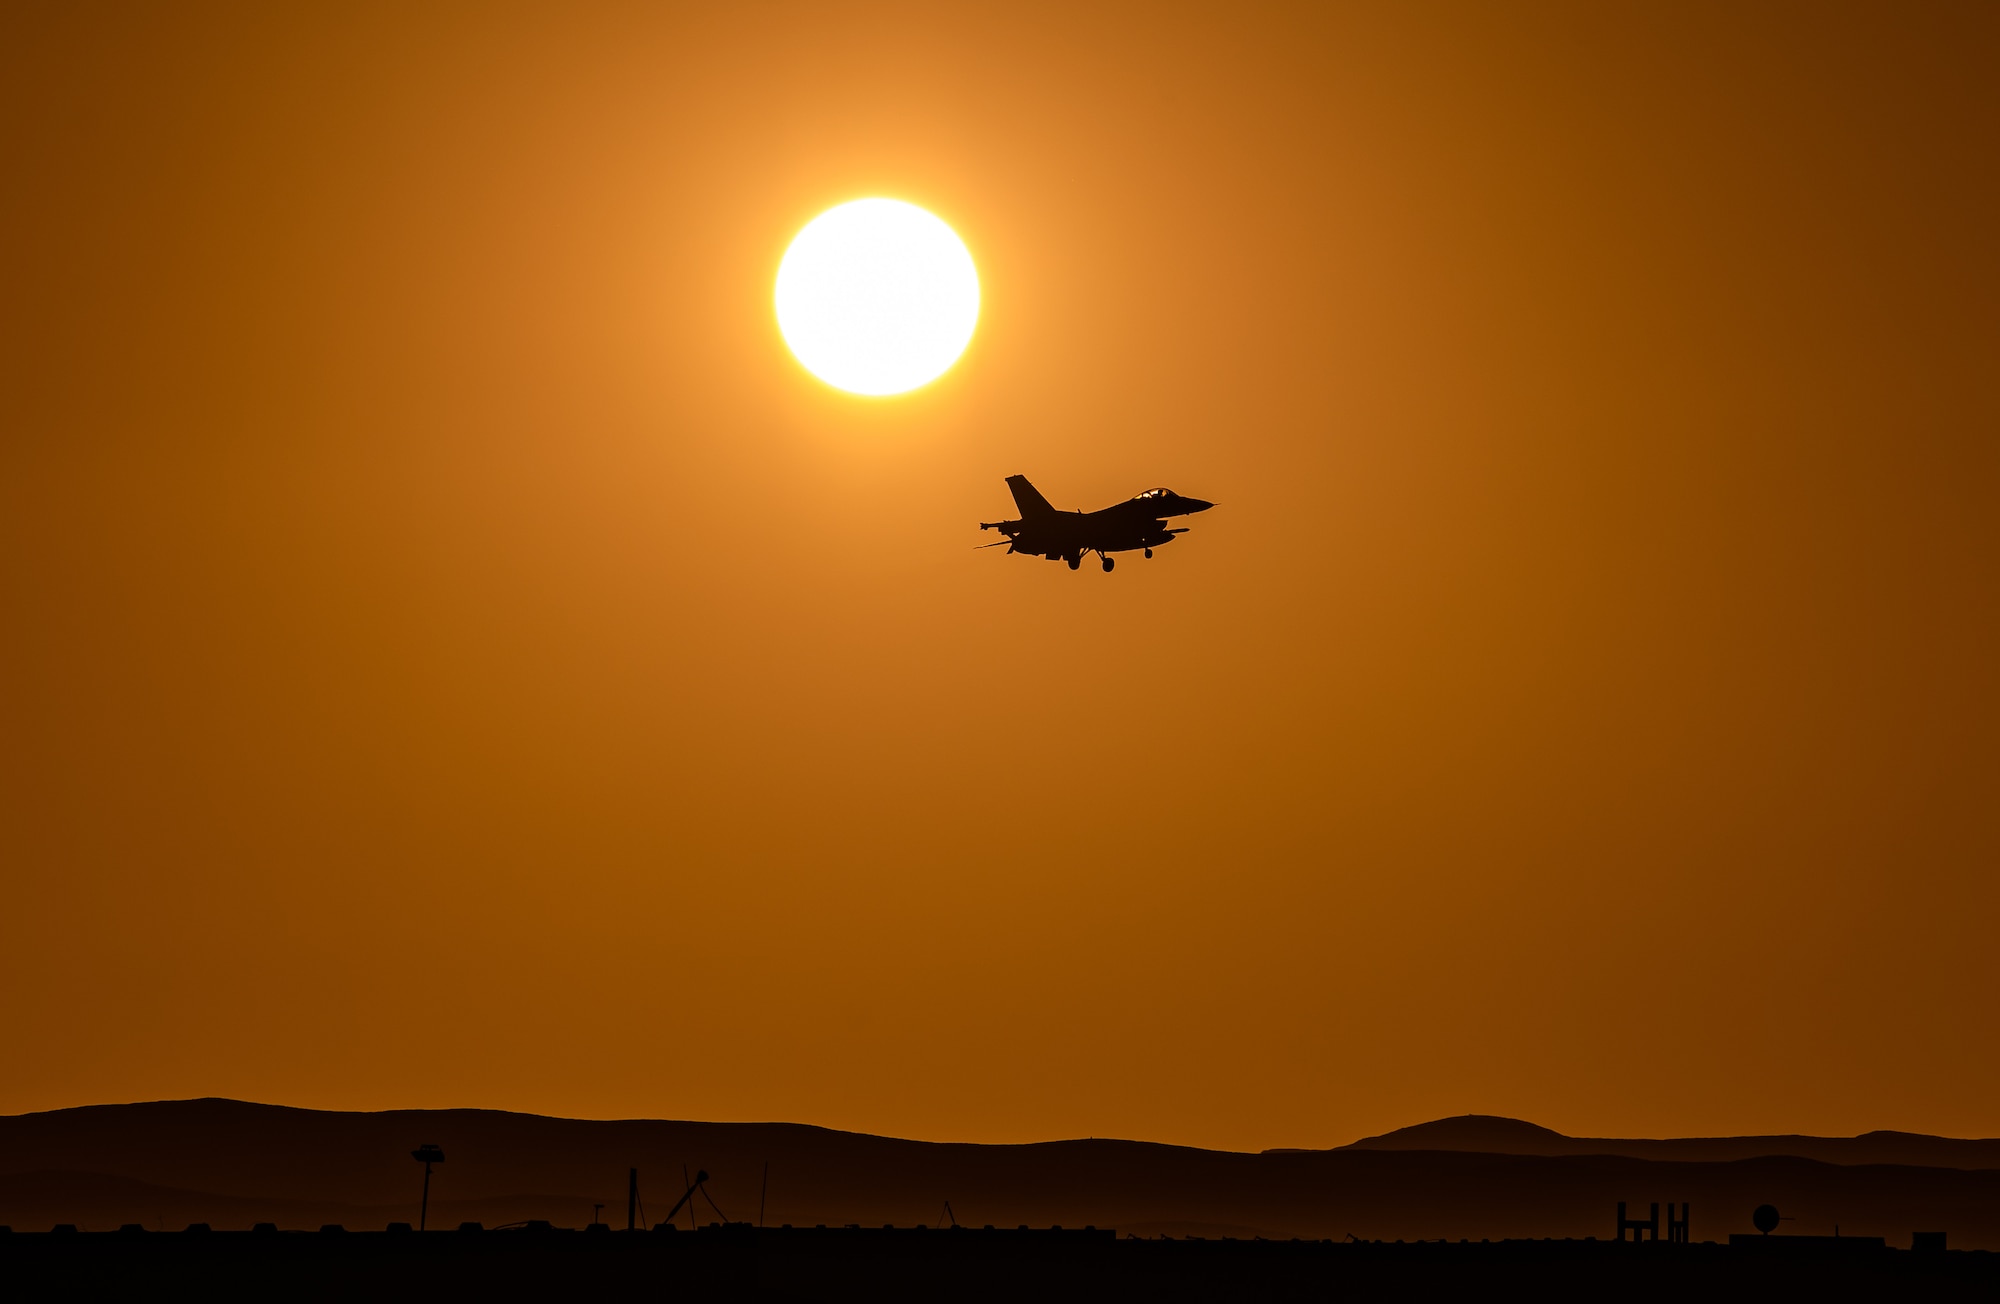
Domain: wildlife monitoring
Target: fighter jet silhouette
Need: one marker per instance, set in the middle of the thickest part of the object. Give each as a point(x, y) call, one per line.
point(1137, 523)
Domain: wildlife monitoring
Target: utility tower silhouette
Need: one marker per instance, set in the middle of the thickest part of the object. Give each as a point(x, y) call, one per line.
point(1641, 1228)
point(1648, 1228)
point(426, 1155)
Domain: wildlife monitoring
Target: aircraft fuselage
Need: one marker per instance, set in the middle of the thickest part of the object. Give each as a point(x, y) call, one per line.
point(1138, 523)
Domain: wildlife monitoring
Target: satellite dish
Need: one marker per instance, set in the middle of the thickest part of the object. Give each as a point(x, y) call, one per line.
point(1765, 1219)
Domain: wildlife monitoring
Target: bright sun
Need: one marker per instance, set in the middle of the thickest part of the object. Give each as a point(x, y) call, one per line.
point(877, 297)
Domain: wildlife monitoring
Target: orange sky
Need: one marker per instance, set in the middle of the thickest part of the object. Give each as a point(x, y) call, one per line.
point(452, 655)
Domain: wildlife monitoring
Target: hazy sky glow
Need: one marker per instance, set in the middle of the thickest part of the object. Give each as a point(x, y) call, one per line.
point(454, 655)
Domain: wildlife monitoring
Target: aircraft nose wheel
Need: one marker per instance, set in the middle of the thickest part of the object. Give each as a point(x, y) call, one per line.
point(1108, 563)
point(1149, 554)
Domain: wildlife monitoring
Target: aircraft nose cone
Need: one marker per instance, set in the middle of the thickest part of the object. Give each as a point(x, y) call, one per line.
point(1197, 505)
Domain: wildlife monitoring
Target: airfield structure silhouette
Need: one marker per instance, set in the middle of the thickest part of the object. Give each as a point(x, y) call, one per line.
point(534, 1258)
point(516, 1254)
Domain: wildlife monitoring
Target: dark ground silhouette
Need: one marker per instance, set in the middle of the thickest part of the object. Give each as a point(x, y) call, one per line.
point(744, 1262)
point(232, 1164)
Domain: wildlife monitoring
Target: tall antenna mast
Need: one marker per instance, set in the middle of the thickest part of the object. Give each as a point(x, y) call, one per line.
point(426, 1155)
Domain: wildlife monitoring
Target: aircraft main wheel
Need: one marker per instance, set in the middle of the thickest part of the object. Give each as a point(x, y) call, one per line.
point(1107, 565)
point(1149, 554)
point(1075, 562)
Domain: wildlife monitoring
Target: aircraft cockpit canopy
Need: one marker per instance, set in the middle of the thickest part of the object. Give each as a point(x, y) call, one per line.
point(1155, 493)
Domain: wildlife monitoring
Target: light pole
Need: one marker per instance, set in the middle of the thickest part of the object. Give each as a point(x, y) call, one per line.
point(426, 1155)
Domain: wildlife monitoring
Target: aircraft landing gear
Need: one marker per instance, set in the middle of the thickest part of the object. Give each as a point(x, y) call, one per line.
point(1107, 565)
point(1149, 554)
point(1076, 561)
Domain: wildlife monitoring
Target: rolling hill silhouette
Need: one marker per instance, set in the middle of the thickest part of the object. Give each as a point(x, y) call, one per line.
point(1495, 1135)
point(231, 1163)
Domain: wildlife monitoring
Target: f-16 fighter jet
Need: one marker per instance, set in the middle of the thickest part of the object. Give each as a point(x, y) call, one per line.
point(1137, 524)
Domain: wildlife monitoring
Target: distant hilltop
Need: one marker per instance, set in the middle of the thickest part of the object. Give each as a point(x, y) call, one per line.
point(1493, 1134)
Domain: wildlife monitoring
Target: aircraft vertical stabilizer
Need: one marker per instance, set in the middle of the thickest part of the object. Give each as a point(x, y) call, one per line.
point(1028, 498)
